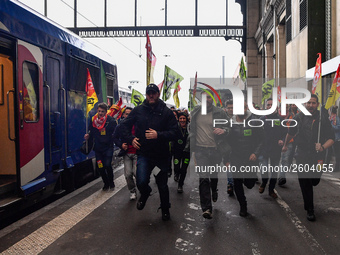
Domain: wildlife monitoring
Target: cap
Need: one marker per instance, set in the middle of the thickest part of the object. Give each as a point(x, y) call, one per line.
point(152, 87)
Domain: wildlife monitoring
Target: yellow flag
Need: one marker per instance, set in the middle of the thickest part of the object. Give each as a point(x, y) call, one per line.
point(334, 93)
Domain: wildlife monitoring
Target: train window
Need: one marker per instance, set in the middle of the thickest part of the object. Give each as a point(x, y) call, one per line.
point(30, 74)
point(78, 76)
point(109, 90)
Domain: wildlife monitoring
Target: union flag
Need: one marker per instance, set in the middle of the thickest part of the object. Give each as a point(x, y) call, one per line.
point(92, 98)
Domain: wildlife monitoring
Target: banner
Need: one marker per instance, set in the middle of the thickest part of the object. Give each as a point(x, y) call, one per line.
point(148, 58)
point(92, 98)
point(171, 81)
point(267, 89)
point(317, 82)
point(243, 71)
point(137, 98)
point(334, 93)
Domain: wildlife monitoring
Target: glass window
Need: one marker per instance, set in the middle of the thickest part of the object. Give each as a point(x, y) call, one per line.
point(30, 74)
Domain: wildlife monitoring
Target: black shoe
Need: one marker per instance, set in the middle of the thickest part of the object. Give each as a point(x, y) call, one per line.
point(281, 181)
point(106, 187)
point(141, 202)
point(243, 211)
point(230, 190)
point(112, 186)
point(207, 214)
point(165, 214)
point(311, 215)
point(180, 189)
point(176, 177)
point(214, 196)
point(262, 188)
point(169, 174)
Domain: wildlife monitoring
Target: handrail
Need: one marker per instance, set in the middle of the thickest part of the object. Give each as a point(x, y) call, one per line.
point(49, 120)
point(65, 119)
point(8, 116)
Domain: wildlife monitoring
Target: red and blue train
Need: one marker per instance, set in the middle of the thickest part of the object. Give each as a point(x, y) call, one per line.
point(43, 105)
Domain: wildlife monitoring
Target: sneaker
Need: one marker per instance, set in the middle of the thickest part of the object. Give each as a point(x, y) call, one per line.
point(272, 194)
point(311, 215)
point(243, 211)
point(262, 188)
point(214, 196)
point(207, 214)
point(133, 195)
point(180, 189)
point(106, 187)
point(282, 181)
point(230, 190)
point(176, 177)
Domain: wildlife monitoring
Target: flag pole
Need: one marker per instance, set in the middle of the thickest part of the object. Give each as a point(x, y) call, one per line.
point(86, 123)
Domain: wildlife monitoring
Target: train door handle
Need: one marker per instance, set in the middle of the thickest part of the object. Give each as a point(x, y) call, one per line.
point(8, 115)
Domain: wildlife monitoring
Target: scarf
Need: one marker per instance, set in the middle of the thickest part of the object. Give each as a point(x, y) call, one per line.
point(99, 123)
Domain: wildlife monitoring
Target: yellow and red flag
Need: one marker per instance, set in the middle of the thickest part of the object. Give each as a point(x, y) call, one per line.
point(317, 82)
point(334, 93)
point(279, 94)
point(92, 98)
point(148, 58)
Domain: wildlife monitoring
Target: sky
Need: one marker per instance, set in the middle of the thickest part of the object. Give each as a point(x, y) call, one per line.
point(186, 56)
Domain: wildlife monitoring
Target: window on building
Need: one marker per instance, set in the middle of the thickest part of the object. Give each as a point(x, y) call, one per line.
point(288, 21)
point(303, 14)
point(30, 74)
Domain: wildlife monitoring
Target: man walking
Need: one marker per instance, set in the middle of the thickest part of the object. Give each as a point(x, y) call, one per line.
point(208, 143)
point(311, 147)
point(155, 125)
point(129, 156)
point(101, 131)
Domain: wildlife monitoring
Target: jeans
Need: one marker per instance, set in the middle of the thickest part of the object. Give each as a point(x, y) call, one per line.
point(274, 161)
point(145, 165)
point(181, 163)
point(207, 182)
point(287, 158)
point(104, 160)
point(130, 166)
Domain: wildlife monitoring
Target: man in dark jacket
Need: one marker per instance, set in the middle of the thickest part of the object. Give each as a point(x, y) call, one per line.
point(155, 125)
point(101, 131)
point(245, 139)
point(311, 148)
point(274, 134)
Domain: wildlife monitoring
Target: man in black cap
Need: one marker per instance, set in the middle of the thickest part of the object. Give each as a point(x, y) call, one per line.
point(155, 125)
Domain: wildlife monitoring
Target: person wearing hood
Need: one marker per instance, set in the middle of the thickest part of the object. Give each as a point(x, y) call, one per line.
point(155, 126)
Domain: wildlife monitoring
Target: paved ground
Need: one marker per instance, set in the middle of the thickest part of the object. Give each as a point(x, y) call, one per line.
point(90, 221)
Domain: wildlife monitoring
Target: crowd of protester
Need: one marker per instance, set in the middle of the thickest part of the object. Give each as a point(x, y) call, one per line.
point(152, 135)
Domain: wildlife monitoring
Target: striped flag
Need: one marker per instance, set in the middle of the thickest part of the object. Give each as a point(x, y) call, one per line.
point(317, 82)
point(334, 93)
point(148, 58)
point(92, 98)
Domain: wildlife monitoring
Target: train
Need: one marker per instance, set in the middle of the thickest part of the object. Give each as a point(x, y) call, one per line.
point(43, 71)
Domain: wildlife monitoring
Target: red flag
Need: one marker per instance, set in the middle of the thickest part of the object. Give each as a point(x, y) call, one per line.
point(92, 98)
point(279, 93)
point(316, 87)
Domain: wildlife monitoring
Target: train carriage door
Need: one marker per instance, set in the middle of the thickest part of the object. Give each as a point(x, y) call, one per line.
point(31, 119)
point(8, 166)
point(54, 105)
